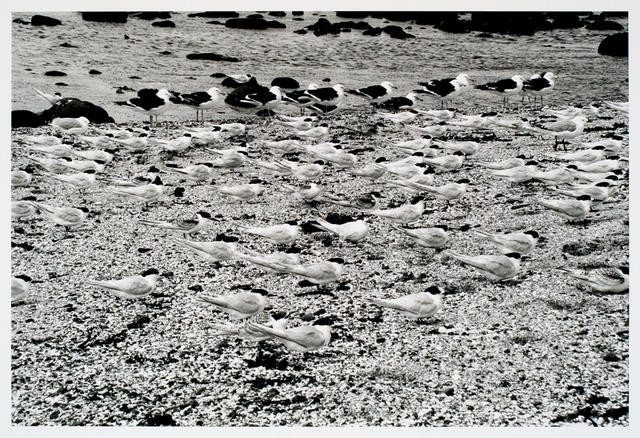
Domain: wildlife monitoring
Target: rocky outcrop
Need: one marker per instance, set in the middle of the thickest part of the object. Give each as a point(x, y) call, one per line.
point(604, 25)
point(105, 17)
point(215, 14)
point(149, 15)
point(164, 23)
point(253, 23)
point(43, 20)
point(25, 119)
point(615, 45)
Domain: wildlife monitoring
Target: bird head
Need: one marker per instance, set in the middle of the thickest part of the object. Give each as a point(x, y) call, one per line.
point(533, 234)
point(513, 255)
point(434, 290)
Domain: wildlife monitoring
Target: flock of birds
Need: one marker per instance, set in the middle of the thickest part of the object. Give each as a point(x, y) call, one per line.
point(592, 174)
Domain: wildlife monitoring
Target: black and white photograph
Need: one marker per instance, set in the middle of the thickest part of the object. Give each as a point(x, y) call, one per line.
point(316, 218)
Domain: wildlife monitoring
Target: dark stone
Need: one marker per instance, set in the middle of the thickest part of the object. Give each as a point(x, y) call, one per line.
point(324, 27)
point(134, 77)
point(95, 72)
point(126, 37)
point(352, 14)
point(165, 52)
point(72, 107)
point(300, 32)
point(615, 45)
point(25, 119)
point(484, 35)
point(212, 57)
point(21, 21)
point(374, 31)
point(253, 23)
point(454, 25)
point(105, 17)
point(297, 13)
point(614, 14)
point(158, 420)
point(604, 25)
point(68, 45)
point(164, 23)
point(61, 84)
point(150, 15)
point(277, 14)
point(215, 22)
point(396, 32)
point(215, 14)
point(254, 16)
point(55, 73)
point(517, 23)
point(42, 20)
point(566, 20)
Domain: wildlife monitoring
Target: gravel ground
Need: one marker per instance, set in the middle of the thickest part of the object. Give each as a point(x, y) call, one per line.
point(538, 350)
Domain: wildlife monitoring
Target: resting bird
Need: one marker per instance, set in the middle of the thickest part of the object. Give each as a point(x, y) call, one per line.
point(571, 209)
point(494, 267)
point(145, 193)
point(522, 243)
point(137, 286)
point(306, 193)
point(70, 125)
point(350, 231)
point(316, 273)
point(20, 178)
point(504, 87)
point(19, 287)
point(152, 102)
point(211, 252)
point(185, 226)
point(22, 209)
point(200, 172)
point(400, 102)
point(446, 89)
point(435, 237)
point(301, 338)
point(375, 93)
point(242, 192)
point(245, 332)
point(603, 280)
point(282, 234)
point(414, 306)
point(65, 216)
point(242, 305)
point(404, 214)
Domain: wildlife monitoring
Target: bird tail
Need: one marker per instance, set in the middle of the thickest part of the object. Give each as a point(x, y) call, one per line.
point(460, 257)
point(376, 301)
point(323, 225)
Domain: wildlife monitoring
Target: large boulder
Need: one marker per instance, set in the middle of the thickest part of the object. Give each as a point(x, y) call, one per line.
point(43, 20)
point(254, 23)
point(72, 107)
point(517, 23)
point(212, 57)
point(150, 15)
point(163, 23)
point(396, 32)
point(615, 45)
point(105, 17)
point(26, 119)
point(215, 14)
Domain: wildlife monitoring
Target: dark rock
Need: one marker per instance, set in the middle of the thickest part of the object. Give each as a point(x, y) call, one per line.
point(615, 45)
point(323, 27)
point(215, 14)
point(105, 17)
point(134, 77)
point(158, 419)
point(95, 72)
point(126, 37)
point(42, 20)
point(374, 31)
point(326, 80)
point(604, 25)
point(164, 23)
point(212, 57)
point(517, 23)
point(484, 35)
point(144, 250)
point(215, 22)
point(55, 73)
point(61, 84)
point(72, 107)
point(254, 16)
point(68, 45)
point(297, 19)
point(300, 32)
point(307, 317)
point(454, 25)
point(26, 119)
point(165, 52)
point(396, 32)
point(352, 14)
point(21, 21)
point(150, 15)
point(297, 13)
point(277, 14)
point(178, 192)
point(253, 23)
point(566, 20)
point(614, 14)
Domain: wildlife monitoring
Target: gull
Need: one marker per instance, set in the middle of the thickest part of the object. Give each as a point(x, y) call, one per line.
point(466, 147)
point(176, 145)
point(429, 237)
point(403, 117)
point(185, 226)
point(520, 242)
point(618, 106)
point(571, 209)
point(518, 174)
point(351, 231)
point(137, 286)
point(401, 215)
point(564, 129)
point(494, 267)
point(303, 172)
point(65, 216)
point(571, 112)
point(238, 306)
point(597, 191)
point(372, 171)
point(84, 165)
point(398, 103)
point(508, 163)
point(211, 252)
point(603, 280)
point(504, 87)
point(19, 287)
point(152, 102)
point(327, 96)
point(316, 273)
point(584, 156)
point(446, 163)
point(325, 148)
point(133, 144)
point(51, 165)
point(613, 163)
point(94, 155)
point(375, 93)
point(101, 141)
point(280, 234)
point(51, 98)
point(306, 193)
point(201, 100)
point(264, 100)
point(539, 85)
point(448, 192)
point(242, 192)
point(20, 178)
point(434, 131)
point(147, 193)
point(414, 306)
point(301, 338)
point(199, 172)
point(70, 125)
point(22, 209)
point(300, 98)
point(446, 89)
point(269, 262)
point(246, 332)
point(56, 150)
point(81, 180)
point(325, 109)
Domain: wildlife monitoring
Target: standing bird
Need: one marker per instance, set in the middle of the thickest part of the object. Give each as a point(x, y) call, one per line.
point(564, 129)
point(264, 100)
point(375, 93)
point(494, 267)
point(522, 243)
point(540, 85)
point(301, 338)
point(504, 87)
point(70, 125)
point(571, 209)
point(300, 98)
point(327, 96)
point(242, 305)
point(201, 100)
point(414, 306)
point(446, 89)
point(400, 102)
point(152, 102)
point(603, 280)
point(351, 231)
point(138, 286)
point(286, 84)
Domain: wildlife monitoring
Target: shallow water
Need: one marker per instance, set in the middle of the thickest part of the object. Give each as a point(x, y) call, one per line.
point(350, 58)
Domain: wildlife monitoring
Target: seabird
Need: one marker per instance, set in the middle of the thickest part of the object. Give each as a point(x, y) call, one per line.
point(446, 89)
point(236, 81)
point(538, 86)
point(504, 87)
point(201, 100)
point(265, 100)
point(400, 102)
point(286, 84)
point(375, 93)
point(327, 96)
point(152, 101)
